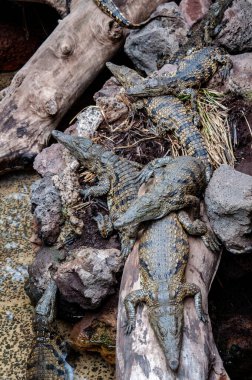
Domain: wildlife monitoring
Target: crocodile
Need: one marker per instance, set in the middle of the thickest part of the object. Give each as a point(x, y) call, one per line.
point(47, 360)
point(183, 183)
point(163, 256)
point(168, 113)
point(201, 33)
point(118, 179)
point(193, 70)
point(109, 7)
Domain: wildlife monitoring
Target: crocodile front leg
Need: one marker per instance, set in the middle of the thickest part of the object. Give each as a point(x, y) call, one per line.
point(104, 224)
point(147, 208)
point(189, 289)
point(225, 61)
point(130, 302)
point(199, 228)
point(102, 188)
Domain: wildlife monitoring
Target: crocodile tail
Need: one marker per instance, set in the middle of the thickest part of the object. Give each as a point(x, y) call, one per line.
point(191, 139)
point(113, 11)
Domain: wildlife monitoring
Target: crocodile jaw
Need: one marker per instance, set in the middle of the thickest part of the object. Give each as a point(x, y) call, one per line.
point(167, 323)
point(77, 146)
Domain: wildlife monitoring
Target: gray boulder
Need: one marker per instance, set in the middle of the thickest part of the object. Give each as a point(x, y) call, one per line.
point(159, 38)
point(89, 276)
point(228, 201)
point(47, 207)
point(236, 36)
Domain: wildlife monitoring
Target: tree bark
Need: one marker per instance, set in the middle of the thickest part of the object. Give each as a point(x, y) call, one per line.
point(139, 355)
point(57, 74)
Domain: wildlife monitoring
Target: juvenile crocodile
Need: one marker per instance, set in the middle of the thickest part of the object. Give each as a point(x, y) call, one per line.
point(183, 182)
point(118, 178)
point(202, 32)
point(47, 359)
point(109, 7)
point(193, 70)
point(168, 113)
point(163, 256)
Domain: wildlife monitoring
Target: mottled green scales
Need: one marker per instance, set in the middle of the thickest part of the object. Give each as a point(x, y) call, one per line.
point(168, 113)
point(117, 178)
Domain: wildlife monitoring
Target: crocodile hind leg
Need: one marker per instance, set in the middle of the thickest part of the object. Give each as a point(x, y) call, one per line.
point(189, 289)
point(130, 302)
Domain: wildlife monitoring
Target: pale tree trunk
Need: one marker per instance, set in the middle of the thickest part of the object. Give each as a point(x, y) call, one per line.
point(57, 74)
point(139, 356)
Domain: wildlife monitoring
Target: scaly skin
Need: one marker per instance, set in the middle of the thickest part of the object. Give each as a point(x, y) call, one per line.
point(118, 179)
point(201, 34)
point(168, 113)
point(193, 70)
point(109, 7)
point(163, 256)
point(183, 181)
point(47, 360)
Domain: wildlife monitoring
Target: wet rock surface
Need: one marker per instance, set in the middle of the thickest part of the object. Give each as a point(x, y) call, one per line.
point(47, 209)
point(161, 37)
point(228, 200)
point(89, 276)
point(236, 36)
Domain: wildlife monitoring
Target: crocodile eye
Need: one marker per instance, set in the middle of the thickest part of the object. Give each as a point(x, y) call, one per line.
point(162, 330)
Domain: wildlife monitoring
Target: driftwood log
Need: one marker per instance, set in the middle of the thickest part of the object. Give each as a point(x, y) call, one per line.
point(57, 74)
point(139, 356)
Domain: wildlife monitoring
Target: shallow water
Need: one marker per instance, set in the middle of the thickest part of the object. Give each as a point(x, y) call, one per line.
point(16, 312)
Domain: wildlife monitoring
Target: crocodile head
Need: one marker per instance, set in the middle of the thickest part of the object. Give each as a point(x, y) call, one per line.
point(167, 323)
point(126, 76)
point(83, 149)
point(153, 86)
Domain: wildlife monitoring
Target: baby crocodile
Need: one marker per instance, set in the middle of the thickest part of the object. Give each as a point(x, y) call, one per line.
point(183, 181)
point(163, 256)
point(47, 359)
point(118, 178)
point(168, 113)
point(202, 32)
point(109, 7)
point(193, 70)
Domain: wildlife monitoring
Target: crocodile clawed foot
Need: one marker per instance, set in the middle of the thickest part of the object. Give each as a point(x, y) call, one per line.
point(211, 241)
point(128, 327)
point(84, 193)
point(204, 318)
point(145, 175)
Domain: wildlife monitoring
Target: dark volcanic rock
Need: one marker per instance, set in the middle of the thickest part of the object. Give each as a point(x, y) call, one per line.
point(89, 276)
point(159, 38)
point(41, 270)
point(228, 200)
point(46, 206)
point(194, 10)
point(237, 34)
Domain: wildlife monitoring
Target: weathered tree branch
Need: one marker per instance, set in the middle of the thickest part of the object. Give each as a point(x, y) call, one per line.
point(57, 74)
point(139, 355)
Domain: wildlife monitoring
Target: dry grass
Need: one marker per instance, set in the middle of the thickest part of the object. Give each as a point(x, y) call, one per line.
point(215, 128)
point(136, 138)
